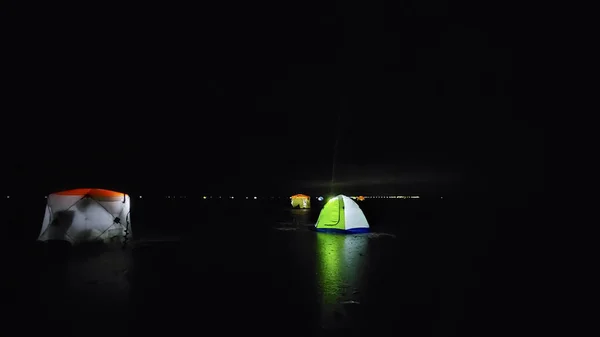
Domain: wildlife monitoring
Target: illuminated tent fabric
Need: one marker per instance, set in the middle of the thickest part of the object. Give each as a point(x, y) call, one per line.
point(342, 214)
point(300, 201)
point(86, 215)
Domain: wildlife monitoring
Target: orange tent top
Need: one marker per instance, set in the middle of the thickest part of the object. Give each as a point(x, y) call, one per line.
point(92, 192)
point(300, 196)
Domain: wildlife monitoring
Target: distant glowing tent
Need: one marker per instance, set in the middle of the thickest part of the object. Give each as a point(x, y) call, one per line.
point(86, 214)
point(360, 198)
point(300, 200)
point(342, 214)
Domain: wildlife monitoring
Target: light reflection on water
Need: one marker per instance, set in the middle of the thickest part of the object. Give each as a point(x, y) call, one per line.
point(342, 267)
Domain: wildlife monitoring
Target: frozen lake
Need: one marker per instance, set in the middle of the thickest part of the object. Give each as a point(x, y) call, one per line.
point(427, 269)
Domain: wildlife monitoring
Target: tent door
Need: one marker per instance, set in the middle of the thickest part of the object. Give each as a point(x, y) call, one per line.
point(333, 216)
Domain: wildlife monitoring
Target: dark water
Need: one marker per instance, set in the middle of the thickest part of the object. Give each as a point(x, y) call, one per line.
point(429, 269)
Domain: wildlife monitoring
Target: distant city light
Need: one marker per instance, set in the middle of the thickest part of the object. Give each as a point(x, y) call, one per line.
point(8, 197)
point(255, 197)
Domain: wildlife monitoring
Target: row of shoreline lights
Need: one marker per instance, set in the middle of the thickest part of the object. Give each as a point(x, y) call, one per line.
point(318, 198)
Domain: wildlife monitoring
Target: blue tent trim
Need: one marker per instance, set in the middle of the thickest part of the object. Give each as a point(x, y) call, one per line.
point(343, 231)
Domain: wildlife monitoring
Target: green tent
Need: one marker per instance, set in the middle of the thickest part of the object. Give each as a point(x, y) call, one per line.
point(342, 215)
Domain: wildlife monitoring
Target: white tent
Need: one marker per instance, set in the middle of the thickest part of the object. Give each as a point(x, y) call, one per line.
point(342, 215)
point(87, 214)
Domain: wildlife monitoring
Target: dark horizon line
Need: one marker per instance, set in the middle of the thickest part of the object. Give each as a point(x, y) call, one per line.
point(4, 195)
point(228, 194)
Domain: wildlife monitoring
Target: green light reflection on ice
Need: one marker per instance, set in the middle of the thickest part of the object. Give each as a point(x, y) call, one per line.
point(341, 267)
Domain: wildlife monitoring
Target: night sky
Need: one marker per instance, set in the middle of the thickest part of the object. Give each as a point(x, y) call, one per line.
point(249, 98)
